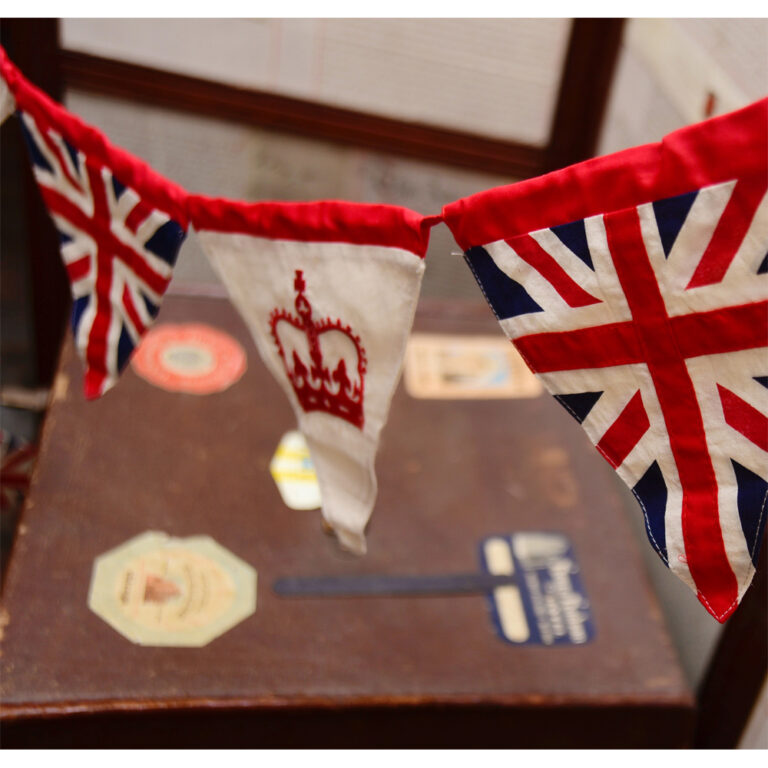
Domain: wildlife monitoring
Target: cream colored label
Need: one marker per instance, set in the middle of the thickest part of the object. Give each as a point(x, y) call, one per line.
point(156, 590)
point(294, 473)
point(509, 602)
point(466, 367)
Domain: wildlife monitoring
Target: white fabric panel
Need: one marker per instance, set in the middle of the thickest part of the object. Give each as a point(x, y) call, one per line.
point(374, 290)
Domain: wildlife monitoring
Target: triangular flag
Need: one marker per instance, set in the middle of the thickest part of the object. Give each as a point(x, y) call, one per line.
point(329, 290)
point(633, 286)
point(120, 226)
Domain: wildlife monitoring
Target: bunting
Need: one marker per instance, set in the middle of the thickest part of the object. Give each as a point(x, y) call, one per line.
point(636, 287)
point(120, 227)
point(329, 290)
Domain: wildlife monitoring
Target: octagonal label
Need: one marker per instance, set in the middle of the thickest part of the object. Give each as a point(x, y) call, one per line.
point(157, 590)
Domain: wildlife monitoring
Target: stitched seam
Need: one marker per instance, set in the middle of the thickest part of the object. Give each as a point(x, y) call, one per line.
point(642, 506)
point(656, 546)
point(604, 455)
point(759, 520)
point(470, 265)
point(567, 407)
point(718, 616)
point(748, 578)
point(744, 581)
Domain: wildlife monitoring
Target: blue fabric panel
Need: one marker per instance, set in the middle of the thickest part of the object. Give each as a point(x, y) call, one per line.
point(72, 152)
point(762, 380)
point(574, 236)
point(506, 296)
point(651, 492)
point(166, 242)
point(151, 308)
point(35, 155)
point(670, 217)
point(751, 500)
point(580, 404)
point(763, 268)
point(64, 238)
point(118, 187)
point(124, 349)
point(78, 307)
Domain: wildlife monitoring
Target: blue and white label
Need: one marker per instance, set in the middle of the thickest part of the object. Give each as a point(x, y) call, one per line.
point(547, 605)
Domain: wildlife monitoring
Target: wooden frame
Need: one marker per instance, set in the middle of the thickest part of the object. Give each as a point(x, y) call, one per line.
point(285, 114)
point(588, 72)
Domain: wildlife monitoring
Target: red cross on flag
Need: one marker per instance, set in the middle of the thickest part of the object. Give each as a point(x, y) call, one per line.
point(636, 287)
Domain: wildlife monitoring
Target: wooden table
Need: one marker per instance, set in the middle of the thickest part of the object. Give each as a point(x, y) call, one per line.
point(405, 671)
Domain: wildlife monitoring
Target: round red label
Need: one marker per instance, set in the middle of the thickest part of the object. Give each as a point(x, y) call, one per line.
point(189, 357)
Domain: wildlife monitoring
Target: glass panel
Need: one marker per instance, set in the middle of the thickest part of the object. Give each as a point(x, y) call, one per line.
point(494, 77)
point(223, 159)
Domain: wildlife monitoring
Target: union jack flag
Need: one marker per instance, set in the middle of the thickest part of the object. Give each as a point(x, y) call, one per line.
point(120, 228)
point(647, 319)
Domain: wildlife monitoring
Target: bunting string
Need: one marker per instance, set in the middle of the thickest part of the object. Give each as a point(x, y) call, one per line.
point(635, 286)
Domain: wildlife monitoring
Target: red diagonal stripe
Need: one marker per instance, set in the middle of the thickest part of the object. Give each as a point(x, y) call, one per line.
point(730, 231)
point(704, 547)
point(78, 269)
point(97, 349)
point(722, 330)
point(98, 229)
point(130, 310)
point(740, 415)
point(599, 347)
point(136, 217)
point(623, 435)
point(532, 253)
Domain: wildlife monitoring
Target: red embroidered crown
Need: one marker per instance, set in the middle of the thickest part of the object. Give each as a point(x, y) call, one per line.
point(317, 387)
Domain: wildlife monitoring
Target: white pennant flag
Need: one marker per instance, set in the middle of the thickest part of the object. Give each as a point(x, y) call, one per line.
point(329, 290)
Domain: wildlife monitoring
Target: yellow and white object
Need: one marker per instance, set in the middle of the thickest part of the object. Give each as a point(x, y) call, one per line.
point(294, 473)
